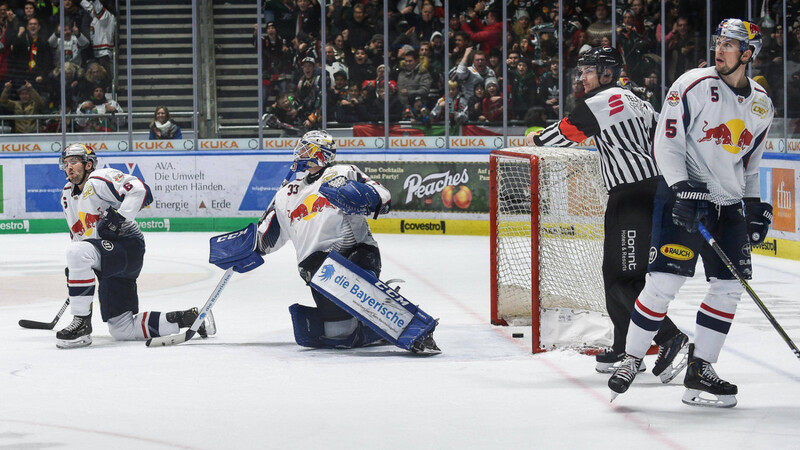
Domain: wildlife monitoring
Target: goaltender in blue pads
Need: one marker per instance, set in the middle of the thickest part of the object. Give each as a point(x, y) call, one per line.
point(324, 213)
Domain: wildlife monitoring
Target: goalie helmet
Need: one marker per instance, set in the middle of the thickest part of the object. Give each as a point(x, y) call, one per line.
point(85, 152)
point(748, 34)
point(315, 149)
point(602, 58)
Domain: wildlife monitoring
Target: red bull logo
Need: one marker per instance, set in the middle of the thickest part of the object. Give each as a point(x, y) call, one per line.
point(309, 208)
point(85, 225)
point(725, 134)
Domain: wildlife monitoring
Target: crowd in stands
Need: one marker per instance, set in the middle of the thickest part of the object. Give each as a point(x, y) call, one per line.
point(30, 62)
point(354, 64)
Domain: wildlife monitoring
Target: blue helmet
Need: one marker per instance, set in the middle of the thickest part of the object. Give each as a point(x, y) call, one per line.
point(85, 152)
point(315, 149)
point(748, 34)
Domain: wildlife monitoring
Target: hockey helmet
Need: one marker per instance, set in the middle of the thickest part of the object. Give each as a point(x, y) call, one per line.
point(315, 149)
point(602, 58)
point(83, 151)
point(748, 34)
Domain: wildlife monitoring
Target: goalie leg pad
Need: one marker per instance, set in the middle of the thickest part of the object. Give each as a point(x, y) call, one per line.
point(381, 308)
point(237, 249)
point(309, 330)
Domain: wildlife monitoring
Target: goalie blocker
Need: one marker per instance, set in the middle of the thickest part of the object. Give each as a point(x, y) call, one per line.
point(375, 304)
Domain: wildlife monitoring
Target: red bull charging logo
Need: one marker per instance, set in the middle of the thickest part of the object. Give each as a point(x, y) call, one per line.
point(309, 208)
point(732, 135)
point(85, 225)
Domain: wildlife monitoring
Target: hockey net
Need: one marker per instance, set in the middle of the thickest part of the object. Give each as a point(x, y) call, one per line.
point(547, 207)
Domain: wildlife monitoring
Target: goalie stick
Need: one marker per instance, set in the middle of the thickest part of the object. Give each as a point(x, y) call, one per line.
point(713, 243)
point(35, 325)
point(180, 338)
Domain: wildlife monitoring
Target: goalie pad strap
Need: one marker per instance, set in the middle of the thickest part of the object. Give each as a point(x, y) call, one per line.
point(375, 304)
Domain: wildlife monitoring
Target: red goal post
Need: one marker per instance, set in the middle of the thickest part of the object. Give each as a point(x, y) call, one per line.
point(547, 211)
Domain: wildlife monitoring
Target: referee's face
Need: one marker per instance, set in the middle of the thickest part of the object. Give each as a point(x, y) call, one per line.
point(587, 75)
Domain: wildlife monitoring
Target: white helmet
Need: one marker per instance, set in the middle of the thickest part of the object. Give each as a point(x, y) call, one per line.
point(85, 152)
point(315, 149)
point(748, 34)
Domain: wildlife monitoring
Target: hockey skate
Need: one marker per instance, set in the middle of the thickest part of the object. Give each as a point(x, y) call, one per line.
point(426, 346)
point(701, 378)
point(624, 375)
point(185, 319)
point(609, 360)
point(671, 358)
point(76, 334)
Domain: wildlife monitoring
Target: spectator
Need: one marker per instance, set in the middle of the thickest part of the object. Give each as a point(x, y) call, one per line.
point(95, 75)
point(468, 77)
point(375, 105)
point(359, 30)
point(78, 16)
point(163, 127)
point(523, 90)
point(361, 69)
point(457, 107)
point(338, 47)
point(427, 23)
point(433, 67)
point(653, 89)
point(72, 73)
point(460, 43)
point(522, 24)
point(437, 48)
point(492, 110)
point(681, 49)
point(413, 81)
point(284, 14)
point(75, 43)
point(276, 61)
point(487, 36)
point(475, 103)
point(548, 89)
point(29, 12)
point(31, 59)
point(8, 30)
point(331, 64)
point(309, 94)
point(577, 92)
point(101, 105)
point(351, 108)
point(30, 102)
point(284, 113)
point(308, 20)
point(375, 49)
point(417, 112)
point(102, 32)
point(493, 61)
point(303, 47)
point(369, 87)
point(337, 91)
point(535, 119)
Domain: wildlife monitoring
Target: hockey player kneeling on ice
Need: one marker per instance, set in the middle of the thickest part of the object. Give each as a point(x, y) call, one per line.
point(708, 144)
point(324, 213)
point(100, 206)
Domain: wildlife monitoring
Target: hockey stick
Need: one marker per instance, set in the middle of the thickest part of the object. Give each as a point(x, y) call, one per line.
point(32, 324)
point(713, 243)
point(188, 334)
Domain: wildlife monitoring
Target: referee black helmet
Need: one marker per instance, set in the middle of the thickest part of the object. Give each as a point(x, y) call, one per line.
point(603, 58)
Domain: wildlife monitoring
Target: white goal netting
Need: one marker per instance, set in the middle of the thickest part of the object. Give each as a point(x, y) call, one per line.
point(565, 208)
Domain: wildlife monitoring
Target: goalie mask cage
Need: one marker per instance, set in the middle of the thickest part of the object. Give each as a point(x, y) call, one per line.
point(547, 208)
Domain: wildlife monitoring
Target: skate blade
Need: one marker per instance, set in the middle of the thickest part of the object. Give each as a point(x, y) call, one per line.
point(82, 341)
point(609, 368)
point(674, 370)
point(613, 396)
point(694, 397)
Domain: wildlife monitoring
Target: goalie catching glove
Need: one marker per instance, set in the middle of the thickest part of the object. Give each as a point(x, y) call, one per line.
point(352, 197)
point(758, 216)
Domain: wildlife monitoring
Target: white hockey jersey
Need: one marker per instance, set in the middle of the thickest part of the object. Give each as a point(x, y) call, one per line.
point(102, 27)
point(313, 224)
point(710, 132)
point(104, 188)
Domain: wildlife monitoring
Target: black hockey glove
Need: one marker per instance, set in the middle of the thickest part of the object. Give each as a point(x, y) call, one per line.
point(758, 216)
point(691, 204)
point(110, 224)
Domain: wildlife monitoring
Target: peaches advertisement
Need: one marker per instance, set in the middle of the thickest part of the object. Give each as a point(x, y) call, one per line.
point(444, 186)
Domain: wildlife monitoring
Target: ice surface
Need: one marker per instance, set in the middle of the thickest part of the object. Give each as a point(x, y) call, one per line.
point(251, 386)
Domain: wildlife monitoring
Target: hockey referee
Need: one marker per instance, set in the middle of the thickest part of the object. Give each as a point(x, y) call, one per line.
point(622, 126)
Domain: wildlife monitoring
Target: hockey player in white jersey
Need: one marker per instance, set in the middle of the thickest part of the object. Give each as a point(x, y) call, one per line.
point(708, 145)
point(622, 126)
point(100, 206)
point(321, 212)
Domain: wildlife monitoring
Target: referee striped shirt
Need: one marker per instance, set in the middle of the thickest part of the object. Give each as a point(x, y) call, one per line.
point(622, 126)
